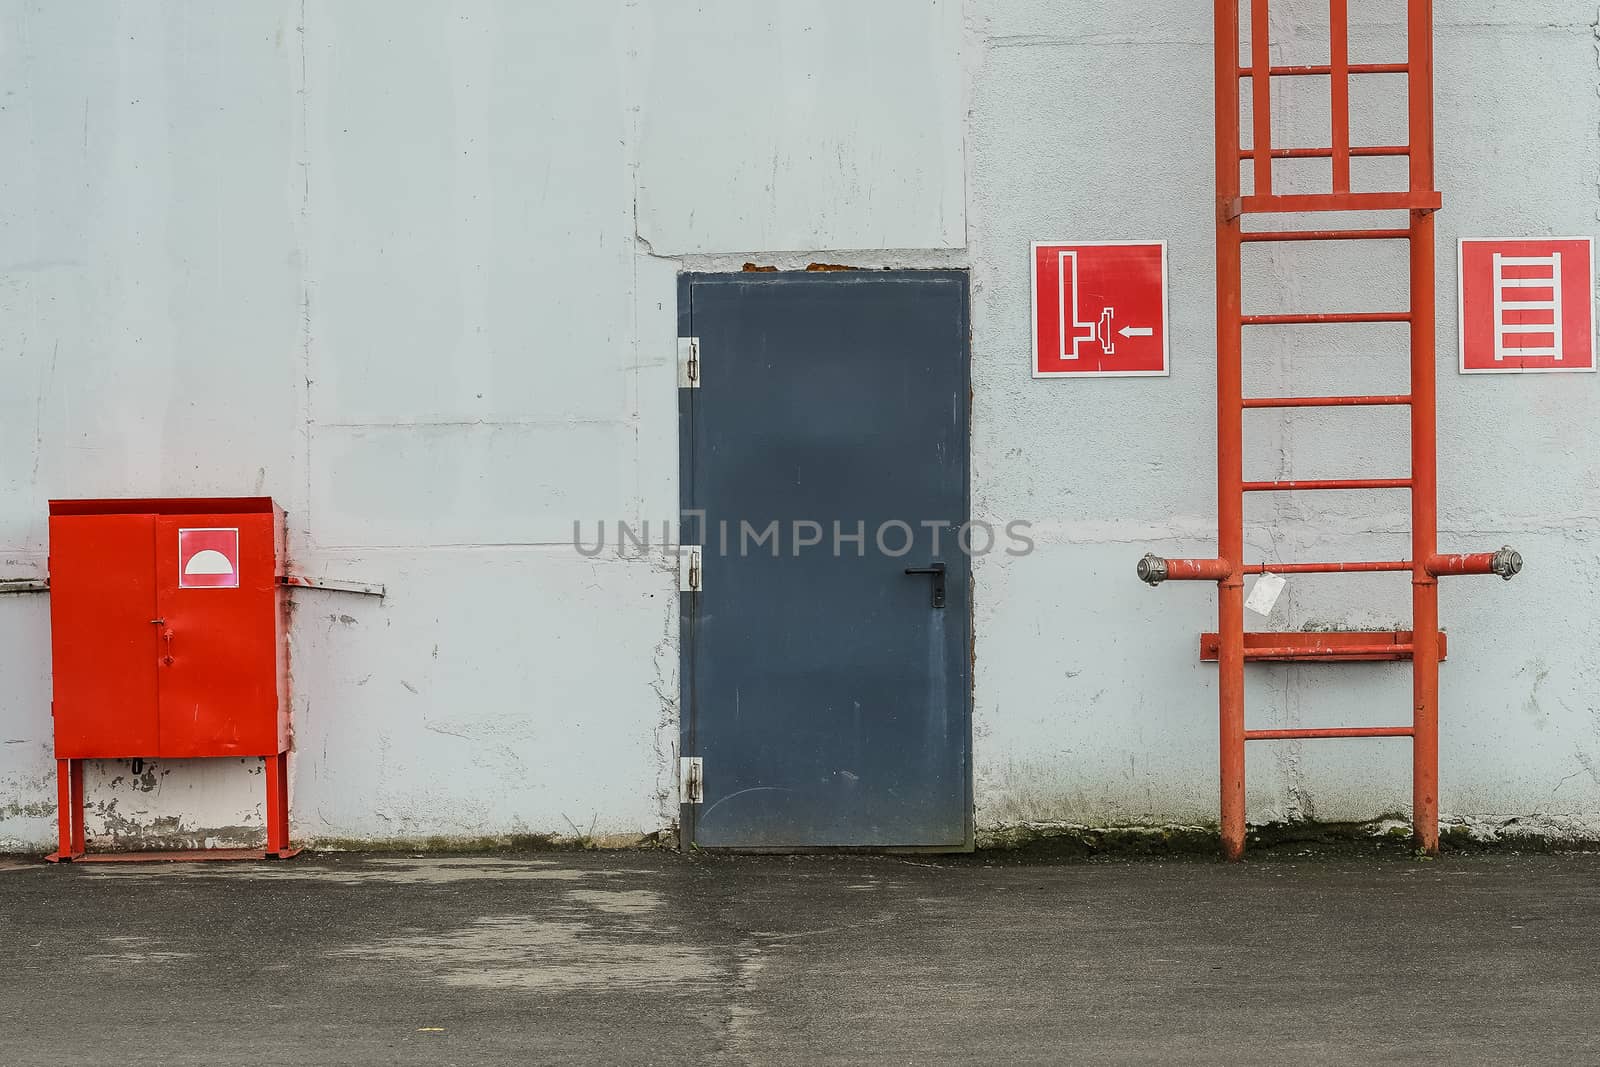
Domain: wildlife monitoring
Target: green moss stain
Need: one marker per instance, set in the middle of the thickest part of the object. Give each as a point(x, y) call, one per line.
point(1387, 837)
point(1028, 843)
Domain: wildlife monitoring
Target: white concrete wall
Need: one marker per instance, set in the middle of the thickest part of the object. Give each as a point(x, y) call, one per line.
point(409, 268)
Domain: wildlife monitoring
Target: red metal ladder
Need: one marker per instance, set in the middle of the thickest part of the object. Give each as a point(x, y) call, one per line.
point(1231, 646)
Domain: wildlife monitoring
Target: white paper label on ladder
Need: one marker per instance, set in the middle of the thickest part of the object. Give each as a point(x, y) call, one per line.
point(1264, 597)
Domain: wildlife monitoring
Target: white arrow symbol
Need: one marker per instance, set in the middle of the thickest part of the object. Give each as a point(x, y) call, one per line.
point(1137, 331)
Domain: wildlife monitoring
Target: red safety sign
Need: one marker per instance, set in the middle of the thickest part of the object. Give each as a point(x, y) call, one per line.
point(1527, 305)
point(1099, 309)
point(208, 558)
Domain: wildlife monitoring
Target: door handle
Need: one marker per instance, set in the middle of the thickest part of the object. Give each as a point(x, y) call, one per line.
point(937, 570)
point(167, 637)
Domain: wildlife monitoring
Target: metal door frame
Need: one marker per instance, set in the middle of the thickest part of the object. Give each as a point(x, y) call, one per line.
point(686, 719)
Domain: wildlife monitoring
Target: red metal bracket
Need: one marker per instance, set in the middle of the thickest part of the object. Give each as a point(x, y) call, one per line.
point(1342, 646)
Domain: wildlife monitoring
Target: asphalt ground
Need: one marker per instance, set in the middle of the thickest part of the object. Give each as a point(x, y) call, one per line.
point(654, 957)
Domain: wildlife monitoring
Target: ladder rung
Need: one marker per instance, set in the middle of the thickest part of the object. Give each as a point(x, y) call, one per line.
point(1351, 731)
point(1341, 202)
point(1327, 153)
point(1327, 483)
point(1322, 70)
point(1325, 401)
point(1319, 320)
point(1326, 235)
point(1328, 568)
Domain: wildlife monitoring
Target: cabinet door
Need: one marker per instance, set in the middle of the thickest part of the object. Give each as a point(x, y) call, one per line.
point(103, 638)
point(218, 676)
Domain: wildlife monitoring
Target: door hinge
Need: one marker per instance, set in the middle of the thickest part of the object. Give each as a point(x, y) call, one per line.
point(690, 575)
point(688, 363)
point(691, 780)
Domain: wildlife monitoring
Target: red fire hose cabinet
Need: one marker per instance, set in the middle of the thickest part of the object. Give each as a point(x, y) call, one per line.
point(167, 632)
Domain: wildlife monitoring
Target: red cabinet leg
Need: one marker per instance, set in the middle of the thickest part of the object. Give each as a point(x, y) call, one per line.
point(63, 811)
point(78, 832)
point(69, 811)
point(278, 803)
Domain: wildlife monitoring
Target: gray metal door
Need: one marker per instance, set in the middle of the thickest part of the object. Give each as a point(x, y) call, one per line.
point(826, 690)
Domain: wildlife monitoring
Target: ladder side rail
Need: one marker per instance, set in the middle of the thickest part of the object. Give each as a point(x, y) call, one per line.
point(1260, 93)
point(1424, 437)
point(1230, 387)
point(1339, 73)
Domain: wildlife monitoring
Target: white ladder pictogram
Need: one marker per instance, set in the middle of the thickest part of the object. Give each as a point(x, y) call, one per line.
point(1502, 305)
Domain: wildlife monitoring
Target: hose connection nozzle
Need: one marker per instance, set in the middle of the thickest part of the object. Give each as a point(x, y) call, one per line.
point(1153, 569)
point(1507, 563)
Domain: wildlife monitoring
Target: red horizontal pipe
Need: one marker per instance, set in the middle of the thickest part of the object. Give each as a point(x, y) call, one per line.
point(1327, 153)
point(1328, 483)
point(1507, 563)
point(1198, 570)
point(1354, 731)
point(1328, 568)
point(1326, 235)
point(1314, 70)
point(1326, 401)
point(1451, 565)
point(1319, 320)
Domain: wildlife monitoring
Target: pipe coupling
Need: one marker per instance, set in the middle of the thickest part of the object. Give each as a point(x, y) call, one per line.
point(1153, 569)
point(1507, 563)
